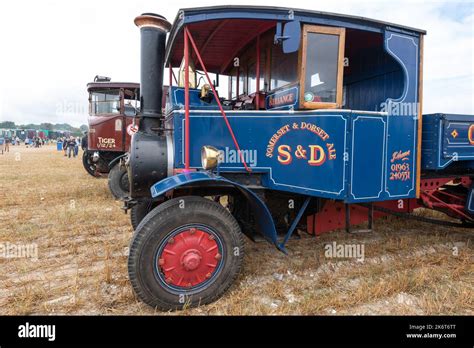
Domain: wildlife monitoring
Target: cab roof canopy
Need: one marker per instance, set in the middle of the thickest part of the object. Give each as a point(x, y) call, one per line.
point(97, 86)
point(221, 32)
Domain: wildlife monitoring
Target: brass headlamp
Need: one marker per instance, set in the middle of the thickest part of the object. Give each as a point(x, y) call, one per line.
point(209, 157)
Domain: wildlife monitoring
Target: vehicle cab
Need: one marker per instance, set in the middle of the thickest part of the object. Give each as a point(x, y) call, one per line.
point(112, 108)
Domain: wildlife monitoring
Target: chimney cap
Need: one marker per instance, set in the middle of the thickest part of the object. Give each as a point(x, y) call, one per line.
point(152, 20)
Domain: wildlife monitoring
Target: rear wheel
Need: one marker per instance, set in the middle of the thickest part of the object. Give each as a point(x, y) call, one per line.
point(185, 252)
point(89, 166)
point(118, 181)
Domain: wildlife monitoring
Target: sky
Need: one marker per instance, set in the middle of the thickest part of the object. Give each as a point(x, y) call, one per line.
point(51, 49)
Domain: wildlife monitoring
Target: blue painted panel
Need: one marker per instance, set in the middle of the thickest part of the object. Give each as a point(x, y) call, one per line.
point(373, 77)
point(368, 157)
point(176, 100)
point(402, 121)
point(301, 152)
point(458, 138)
point(331, 154)
point(401, 157)
point(448, 142)
point(430, 142)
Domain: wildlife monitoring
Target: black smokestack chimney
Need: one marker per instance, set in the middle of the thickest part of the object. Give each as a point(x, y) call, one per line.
point(153, 29)
point(149, 161)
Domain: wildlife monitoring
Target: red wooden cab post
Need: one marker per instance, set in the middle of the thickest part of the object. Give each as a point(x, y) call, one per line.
point(186, 100)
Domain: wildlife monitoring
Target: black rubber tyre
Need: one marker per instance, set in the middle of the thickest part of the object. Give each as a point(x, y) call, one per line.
point(157, 229)
point(118, 181)
point(140, 210)
point(89, 166)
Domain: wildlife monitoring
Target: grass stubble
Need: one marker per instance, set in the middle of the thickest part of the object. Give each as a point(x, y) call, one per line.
point(83, 236)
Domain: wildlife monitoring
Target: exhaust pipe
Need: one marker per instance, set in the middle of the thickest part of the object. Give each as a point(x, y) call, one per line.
point(148, 151)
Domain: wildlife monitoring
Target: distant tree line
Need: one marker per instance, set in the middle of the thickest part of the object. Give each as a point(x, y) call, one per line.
point(45, 126)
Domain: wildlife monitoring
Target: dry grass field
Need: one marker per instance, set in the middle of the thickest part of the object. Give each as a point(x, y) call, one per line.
point(82, 239)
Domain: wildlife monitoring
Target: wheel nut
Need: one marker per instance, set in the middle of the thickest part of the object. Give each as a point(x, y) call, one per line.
point(161, 261)
point(192, 230)
point(171, 241)
point(168, 280)
point(208, 275)
point(211, 237)
point(218, 256)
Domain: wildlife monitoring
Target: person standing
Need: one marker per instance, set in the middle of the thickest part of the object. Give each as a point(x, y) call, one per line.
point(7, 143)
point(65, 146)
point(71, 144)
point(76, 147)
point(84, 142)
point(2, 143)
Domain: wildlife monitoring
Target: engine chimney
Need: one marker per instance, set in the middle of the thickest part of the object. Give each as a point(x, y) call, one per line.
point(153, 29)
point(149, 160)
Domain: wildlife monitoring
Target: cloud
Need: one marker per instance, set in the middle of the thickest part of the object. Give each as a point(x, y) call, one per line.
point(51, 49)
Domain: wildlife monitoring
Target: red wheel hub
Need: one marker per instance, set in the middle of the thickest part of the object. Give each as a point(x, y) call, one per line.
point(189, 258)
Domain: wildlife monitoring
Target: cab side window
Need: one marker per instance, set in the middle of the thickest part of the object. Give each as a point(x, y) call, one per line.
point(322, 67)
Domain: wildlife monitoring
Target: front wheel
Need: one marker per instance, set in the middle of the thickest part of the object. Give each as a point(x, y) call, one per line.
point(89, 165)
point(186, 252)
point(140, 210)
point(118, 181)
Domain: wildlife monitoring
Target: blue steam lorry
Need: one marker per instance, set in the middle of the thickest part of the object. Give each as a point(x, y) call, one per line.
point(320, 128)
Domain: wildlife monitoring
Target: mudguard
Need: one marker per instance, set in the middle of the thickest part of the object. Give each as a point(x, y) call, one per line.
point(115, 160)
point(265, 224)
